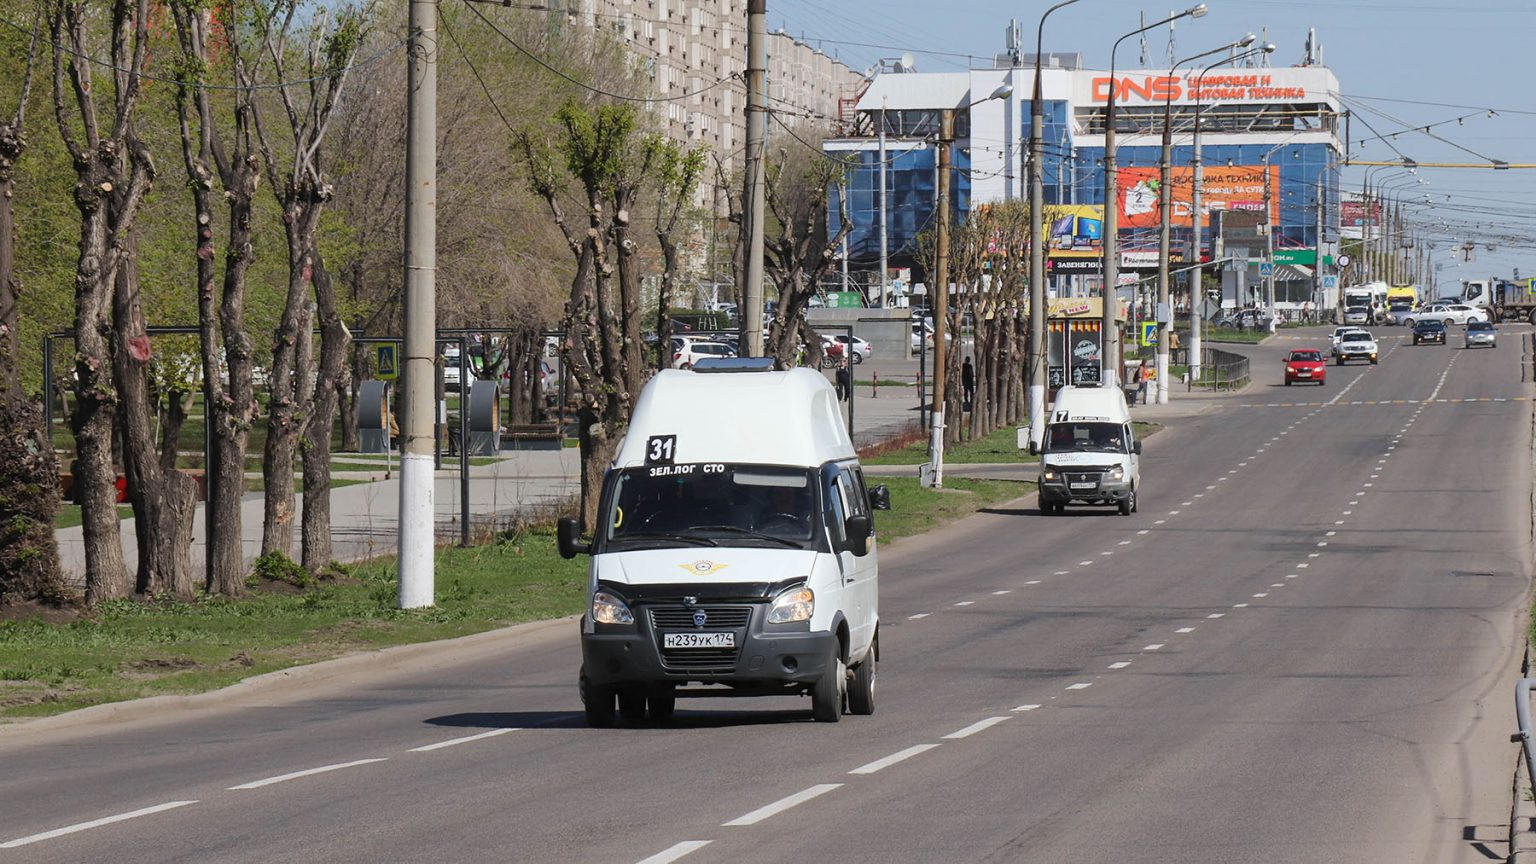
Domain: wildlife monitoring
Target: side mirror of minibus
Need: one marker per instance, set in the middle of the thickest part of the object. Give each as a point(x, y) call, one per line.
point(568, 538)
point(859, 529)
point(1136, 447)
point(879, 497)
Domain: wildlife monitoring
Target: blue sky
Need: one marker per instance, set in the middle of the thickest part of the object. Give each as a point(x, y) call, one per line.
point(1471, 57)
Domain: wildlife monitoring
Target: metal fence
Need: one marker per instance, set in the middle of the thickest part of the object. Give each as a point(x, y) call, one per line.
point(1219, 370)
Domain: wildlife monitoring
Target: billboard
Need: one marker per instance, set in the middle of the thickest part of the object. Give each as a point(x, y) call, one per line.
point(1358, 214)
point(1234, 187)
point(1229, 86)
point(1073, 231)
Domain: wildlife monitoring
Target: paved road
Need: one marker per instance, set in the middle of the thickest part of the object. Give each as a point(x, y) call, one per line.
point(1301, 649)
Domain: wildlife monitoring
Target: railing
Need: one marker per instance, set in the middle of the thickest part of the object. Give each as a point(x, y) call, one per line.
point(1219, 370)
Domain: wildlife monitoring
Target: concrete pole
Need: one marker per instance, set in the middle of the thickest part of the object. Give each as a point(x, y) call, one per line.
point(1196, 273)
point(1317, 266)
point(885, 268)
point(1163, 311)
point(1269, 246)
point(416, 512)
point(757, 119)
point(1109, 341)
point(941, 297)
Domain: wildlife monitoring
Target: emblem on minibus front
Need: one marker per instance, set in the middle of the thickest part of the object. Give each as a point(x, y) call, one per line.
point(703, 567)
point(699, 617)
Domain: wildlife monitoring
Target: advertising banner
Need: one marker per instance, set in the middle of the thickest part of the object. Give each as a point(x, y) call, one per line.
point(1073, 231)
point(1229, 86)
point(1236, 187)
point(1358, 214)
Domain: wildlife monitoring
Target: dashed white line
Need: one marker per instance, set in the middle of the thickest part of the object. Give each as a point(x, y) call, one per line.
point(1153, 647)
point(308, 772)
point(918, 616)
point(972, 729)
point(1081, 685)
point(1215, 615)
point(1001, 592)
point(451, 742)
point(1029, 707)
point(1121, 664)
point(94, 823)
point(1084, 563)
point(1125, 542)
point(781, 805)
point(1060, 573)
point(888, 761)
point(1144, 531)
point(1262, 594)
point(1185, 630)
point(1278, 585)
point(1037, 581)
point(1303, 565)
point(672, 853)
point(1239, 605)
point(966, 603)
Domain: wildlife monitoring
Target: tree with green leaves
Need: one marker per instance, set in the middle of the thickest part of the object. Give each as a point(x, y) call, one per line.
point(610, 161)
point(29, 557)
point(677, 179)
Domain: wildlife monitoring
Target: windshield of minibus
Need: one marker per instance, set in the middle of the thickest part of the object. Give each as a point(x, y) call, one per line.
point(712, 504)
point(1090, 437)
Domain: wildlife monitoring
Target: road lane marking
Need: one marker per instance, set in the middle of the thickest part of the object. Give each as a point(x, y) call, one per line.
point(1278, 585)
point(1081, 685)
point(1120, 664)
point(1160, 522)
point(1214, 615)
point(1186, 503)
point(465, 740)
point(1239, 605)
point(672, 853)
point(308, 772)
point(1125, 542)
point(94, 823)
point(972, 729)
point(1001, 592)
point(1153, 647)
point(966, 603)
point(1304, 565)
point(1261, 595)
point(1185, 630)
point(918, 616)
point(1084, 563)
point(1333, 533)
point(1060, 573)
point(1314, 554)
point(781, 805)
point(1037, 581)
point(888, 761)
point(1144, 531)
point(1030, 707)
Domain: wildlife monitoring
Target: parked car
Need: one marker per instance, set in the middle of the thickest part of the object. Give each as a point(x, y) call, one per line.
point(1480, 334)
point(1446, 313)
point(1355, 345)
point(860, 348)
point(922, 334)
point(693, 352)
point(1429, 330)
point(1305, 365)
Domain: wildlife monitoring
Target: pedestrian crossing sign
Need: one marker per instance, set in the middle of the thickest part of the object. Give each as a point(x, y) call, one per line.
point(1148, 334)
point(1266, 268)
point(387, 357)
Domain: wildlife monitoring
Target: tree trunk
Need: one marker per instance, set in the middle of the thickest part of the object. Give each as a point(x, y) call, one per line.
point(283, 419)
point(158, 505)
point(335, 345)
point(598, 444)
point(664, 301)
point(29, 497)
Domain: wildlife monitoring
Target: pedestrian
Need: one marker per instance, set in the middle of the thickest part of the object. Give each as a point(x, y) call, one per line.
point(968, 382)
point(844, 381)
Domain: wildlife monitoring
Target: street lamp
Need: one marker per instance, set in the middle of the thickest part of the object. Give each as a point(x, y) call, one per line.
point(1109, 335)
point(941, 288)
point(1037, 355)
point(1164, 309)
point(1197, 276)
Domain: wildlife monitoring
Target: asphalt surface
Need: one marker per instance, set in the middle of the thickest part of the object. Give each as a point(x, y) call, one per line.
point(1301, 649)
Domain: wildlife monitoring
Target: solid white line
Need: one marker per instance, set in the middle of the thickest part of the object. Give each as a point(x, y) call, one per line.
point(1026, 708)
point(257, 784)
point(1120, 664)
point(892, 759)
point(781, 805)
point(972, 729)
point(918, 615)
point(667, 856)
point(1081, 685)
point(1153, 647)
point(94, 823)
point(465, 740)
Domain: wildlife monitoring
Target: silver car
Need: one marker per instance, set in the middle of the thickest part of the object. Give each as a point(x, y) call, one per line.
point(1479, 334)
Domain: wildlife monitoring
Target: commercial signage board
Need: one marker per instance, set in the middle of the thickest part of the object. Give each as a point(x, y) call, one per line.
point(1227, 86)
point(1073, 231)
point(1235, 187)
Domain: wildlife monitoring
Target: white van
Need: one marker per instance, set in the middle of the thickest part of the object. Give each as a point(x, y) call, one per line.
point(1090, 454)
point(735, 550)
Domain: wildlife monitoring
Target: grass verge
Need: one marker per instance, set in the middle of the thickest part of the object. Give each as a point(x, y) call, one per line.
point(58, 660)
point(1226, 334)
point(1000, 446)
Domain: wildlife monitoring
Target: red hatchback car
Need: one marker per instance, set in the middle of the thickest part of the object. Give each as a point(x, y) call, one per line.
point(1305, 365)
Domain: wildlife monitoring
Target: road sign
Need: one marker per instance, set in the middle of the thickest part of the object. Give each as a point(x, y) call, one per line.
point(1266, 268)
point(1343, 260)
point(1330, 282)
point(1304, 257)
point(387, 357)
point(1148, 334)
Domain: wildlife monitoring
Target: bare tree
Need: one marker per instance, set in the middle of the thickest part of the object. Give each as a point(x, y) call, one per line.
point(601, 150)
point(113, 171)
point(29, 557)
point(302, 190)
point(226, 350)
point(799, 252)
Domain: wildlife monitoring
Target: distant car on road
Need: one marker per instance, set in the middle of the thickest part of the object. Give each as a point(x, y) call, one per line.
point(693, 352)
point(1355, 345)
point(1305, 365)
point(860, 348)
point(1480, 334)
point(1357, 315)
point(1446, 313)
point(1429, 330)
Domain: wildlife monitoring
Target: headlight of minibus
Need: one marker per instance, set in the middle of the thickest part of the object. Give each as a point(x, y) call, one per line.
point(1117, 473)
point(610, 609)
point(1048, 474)
point(793, 605)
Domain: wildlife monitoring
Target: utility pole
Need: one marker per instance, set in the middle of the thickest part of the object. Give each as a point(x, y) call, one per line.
point(1317, 265)
point(885, 270)
point(757, 120)
point(1269, 247)
point(941, 299)
point(416, 514)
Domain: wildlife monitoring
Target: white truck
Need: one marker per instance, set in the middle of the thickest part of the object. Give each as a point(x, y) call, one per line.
point(734, 549)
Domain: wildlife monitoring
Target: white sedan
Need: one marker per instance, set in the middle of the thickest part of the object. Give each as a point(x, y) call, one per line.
point(861, 349)
point(1448, 313)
